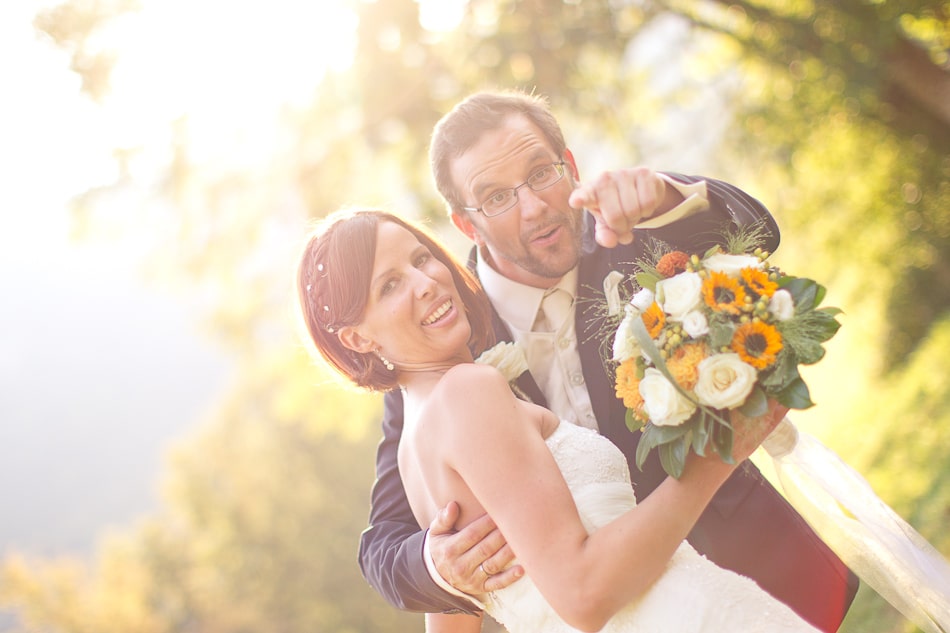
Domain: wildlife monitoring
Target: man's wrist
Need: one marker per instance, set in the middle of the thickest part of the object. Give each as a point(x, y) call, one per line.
point(439, 580)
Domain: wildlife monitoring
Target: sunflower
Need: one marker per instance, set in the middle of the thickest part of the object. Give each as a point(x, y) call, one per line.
point(628, 384)
point(722, 293)
point(683, 363)
point(757, 343)
point(758, 282)
point(654, 318)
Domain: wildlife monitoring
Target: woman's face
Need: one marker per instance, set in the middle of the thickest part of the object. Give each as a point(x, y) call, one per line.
point(414, 316)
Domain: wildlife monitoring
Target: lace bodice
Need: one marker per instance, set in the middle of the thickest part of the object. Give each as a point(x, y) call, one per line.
point(693, 595)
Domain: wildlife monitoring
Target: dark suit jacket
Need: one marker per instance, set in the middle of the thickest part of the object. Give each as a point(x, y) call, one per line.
point(748, 527)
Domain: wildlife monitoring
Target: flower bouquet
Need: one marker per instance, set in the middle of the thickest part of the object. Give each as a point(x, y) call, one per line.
point(702, 335)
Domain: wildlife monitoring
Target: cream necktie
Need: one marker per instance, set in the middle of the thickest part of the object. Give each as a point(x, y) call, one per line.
point(555, 309)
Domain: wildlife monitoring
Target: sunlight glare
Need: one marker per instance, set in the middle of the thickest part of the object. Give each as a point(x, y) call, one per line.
point(229, 67)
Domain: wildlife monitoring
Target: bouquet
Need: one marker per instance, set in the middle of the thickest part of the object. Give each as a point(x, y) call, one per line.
point(704, 334)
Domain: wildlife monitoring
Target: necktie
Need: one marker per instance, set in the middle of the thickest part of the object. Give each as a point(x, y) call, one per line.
point(555, 309)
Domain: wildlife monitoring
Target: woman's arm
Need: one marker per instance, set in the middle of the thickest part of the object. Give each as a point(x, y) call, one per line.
point(497, 449)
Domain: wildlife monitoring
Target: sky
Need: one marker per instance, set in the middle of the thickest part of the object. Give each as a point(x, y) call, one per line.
point(101, 373)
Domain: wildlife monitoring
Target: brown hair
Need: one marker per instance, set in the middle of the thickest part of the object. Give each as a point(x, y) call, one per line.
point(333, 280)
point(461, 128)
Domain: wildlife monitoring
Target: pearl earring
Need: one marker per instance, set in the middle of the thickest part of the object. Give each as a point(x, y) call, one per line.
point(386, 362)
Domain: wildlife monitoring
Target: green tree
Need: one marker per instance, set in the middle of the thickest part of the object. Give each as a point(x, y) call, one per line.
point(834, 114)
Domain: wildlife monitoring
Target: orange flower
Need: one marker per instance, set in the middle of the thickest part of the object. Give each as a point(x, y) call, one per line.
point(722, 293)
point(758, 282)
point(654, 318)
point(757, 343)
point(672, 263)
point(684, 361)
point(628, 384)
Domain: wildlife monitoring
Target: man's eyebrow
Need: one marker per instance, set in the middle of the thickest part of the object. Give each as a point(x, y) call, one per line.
point(534, 157)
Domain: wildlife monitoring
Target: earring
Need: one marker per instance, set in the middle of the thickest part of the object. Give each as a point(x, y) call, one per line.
point(386, 362)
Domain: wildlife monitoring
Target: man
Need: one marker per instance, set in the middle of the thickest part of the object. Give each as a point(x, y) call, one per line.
point(512, 186)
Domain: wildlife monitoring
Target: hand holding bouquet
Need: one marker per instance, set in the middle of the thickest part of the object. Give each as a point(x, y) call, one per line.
point(707, 334)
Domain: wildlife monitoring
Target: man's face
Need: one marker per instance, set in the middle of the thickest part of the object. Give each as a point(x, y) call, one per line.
point(537, 241)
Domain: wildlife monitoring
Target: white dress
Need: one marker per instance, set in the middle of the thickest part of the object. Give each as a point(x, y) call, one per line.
point(692, 595)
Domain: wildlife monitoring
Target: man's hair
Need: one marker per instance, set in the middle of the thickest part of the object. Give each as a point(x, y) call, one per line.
point(463, 126)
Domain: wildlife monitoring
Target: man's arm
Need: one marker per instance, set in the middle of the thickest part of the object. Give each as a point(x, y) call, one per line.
point(621, 200)
point(728, 203)
point(391, 548)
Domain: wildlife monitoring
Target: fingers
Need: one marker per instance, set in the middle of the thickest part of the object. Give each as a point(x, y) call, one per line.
point(501, 580)
point(619, 200)
point(444, 521)
point(457, 556)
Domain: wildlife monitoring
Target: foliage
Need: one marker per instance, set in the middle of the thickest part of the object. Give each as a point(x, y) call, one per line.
point(826, 108)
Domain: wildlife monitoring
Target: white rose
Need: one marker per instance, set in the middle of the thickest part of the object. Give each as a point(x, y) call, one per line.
point(781, 305)
point(724, 381)
point(731, 264)
point(662, 402)
point(680, 294)
point(643, 299)
point(695, 324)
point(625, 343)
point(507, 358)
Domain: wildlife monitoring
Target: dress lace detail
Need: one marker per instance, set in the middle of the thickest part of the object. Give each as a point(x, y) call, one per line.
point(693, 595)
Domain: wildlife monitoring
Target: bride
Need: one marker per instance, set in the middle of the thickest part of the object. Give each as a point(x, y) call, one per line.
point(388, 307)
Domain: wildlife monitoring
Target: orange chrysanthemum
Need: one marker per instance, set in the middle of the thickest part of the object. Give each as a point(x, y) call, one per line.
point(758, 282)
point(683, 363)
point(672, 263)
point(628, 384)
point(654, 318)
point(722, 293)
point(757, 343)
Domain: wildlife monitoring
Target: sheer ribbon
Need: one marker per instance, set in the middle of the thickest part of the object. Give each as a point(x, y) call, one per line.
point(877, 544)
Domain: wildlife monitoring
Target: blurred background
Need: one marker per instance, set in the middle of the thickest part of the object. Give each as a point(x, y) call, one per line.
point(171, 459)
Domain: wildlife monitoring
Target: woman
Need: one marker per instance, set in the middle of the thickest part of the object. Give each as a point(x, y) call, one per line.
point(387, 306)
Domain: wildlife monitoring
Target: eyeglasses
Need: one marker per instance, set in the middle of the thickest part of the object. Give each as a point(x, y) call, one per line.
point(502, 200)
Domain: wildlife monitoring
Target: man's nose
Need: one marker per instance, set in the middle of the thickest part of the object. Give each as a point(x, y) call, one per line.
point(530, 202)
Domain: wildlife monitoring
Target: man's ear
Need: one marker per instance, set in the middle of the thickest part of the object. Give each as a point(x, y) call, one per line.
point(355, 341)
point(464, 224)
point(569, 159)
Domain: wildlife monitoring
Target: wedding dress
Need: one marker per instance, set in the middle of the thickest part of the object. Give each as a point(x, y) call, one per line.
point(692, 595)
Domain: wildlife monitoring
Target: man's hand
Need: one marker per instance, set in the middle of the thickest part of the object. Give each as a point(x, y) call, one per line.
point(621, 199)
point(474, 560)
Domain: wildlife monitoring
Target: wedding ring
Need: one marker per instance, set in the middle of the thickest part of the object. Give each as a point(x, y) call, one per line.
point(482, 567)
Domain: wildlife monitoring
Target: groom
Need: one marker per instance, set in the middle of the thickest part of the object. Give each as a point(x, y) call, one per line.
point(512, 186)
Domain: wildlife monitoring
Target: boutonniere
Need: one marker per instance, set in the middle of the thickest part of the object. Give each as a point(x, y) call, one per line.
point(510, 360)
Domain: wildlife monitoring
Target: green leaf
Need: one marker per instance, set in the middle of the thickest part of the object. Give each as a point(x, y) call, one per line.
point(795, 395)
point(784, 371)
point(803, 291)
point(633, 423)
point(647, 280)
point(721, 332)
point(722, 442)
point(700, 434)
point(756, 404)
point(673, 456)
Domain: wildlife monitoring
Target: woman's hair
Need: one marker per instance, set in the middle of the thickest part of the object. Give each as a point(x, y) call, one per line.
point(333, 286)
point(464, 125)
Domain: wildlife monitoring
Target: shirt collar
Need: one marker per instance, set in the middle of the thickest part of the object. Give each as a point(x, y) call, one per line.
point(516, 303)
